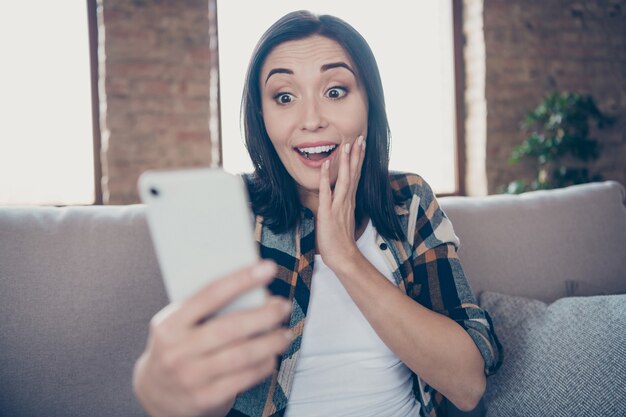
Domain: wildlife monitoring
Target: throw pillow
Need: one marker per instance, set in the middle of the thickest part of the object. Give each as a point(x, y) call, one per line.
point(565, 359)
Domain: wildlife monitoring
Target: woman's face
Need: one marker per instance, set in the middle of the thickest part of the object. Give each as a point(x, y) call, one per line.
point(312, 105)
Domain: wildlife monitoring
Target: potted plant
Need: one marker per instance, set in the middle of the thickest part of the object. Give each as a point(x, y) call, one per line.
point(558, 142)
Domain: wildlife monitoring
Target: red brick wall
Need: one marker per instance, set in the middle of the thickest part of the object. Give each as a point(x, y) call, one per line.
point(155, 65)
point(537, 46)
point(157, 60)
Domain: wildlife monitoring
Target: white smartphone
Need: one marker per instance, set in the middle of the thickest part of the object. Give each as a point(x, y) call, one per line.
point(201, 228)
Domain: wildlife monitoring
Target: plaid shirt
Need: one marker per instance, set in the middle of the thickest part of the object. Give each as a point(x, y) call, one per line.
point(425, 266)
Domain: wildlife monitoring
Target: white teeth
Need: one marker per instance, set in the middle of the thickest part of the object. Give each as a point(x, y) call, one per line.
point(318, 149)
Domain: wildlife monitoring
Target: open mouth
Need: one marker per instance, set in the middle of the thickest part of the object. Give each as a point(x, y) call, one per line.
point(316, 153)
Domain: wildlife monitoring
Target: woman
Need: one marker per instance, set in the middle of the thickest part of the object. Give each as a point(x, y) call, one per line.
point(367, 257)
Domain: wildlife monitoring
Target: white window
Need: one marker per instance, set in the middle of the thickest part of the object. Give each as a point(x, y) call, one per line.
point(46, 139)
point(413, 46)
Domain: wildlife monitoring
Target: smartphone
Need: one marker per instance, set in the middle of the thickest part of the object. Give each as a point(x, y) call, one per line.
point(202, 229)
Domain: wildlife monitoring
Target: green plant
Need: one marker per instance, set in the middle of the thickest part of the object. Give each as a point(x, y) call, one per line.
point(559, 142)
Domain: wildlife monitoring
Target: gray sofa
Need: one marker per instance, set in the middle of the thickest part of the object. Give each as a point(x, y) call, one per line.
point(78, 286)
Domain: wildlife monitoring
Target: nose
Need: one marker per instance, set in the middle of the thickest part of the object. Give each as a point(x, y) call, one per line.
point(312, 115)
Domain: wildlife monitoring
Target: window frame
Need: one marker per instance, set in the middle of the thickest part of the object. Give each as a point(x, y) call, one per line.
point(459, 91)
point(215, 114)
point(92, 24)
point(458, 40)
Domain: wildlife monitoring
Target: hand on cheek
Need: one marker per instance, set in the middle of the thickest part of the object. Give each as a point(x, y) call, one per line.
point(335, 227)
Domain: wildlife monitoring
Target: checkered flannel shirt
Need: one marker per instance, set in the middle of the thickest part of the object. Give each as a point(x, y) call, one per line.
point(425, 266)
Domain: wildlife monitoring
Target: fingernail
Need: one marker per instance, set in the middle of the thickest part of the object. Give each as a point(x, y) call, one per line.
point(288, 335)
point(286, 307)
point(326, 164)
point(263, 270)
point(347, 148)
point(360, 140)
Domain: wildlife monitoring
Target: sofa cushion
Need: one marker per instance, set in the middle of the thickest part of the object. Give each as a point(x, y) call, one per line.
point(574, 235)
point(565, 359)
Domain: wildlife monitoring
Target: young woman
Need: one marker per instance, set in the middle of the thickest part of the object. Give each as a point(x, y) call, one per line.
point(381, 319)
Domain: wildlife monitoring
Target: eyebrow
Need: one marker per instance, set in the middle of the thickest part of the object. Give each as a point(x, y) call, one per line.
point(278, 71)
point(332, 65)
point(324, 67)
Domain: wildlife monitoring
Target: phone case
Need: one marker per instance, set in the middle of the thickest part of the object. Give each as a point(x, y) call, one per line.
point(201, 228)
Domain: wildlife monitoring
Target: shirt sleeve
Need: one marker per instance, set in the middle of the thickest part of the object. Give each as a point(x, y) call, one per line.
point(440, 283)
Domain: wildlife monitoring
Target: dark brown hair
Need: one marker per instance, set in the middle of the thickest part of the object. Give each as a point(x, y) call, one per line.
point(273, 192)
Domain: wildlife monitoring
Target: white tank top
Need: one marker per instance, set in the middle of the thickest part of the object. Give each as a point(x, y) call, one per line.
point(344, 369)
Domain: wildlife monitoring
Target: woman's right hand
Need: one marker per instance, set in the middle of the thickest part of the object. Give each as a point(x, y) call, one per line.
point(196, 367)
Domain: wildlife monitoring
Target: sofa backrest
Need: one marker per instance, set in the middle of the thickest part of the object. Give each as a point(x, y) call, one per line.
point(78, 287)
point(544, 244)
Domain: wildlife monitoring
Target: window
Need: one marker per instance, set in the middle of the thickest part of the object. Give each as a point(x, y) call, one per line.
point(46, 136)
point(413, 45)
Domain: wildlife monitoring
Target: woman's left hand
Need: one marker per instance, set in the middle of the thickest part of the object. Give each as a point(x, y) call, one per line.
point(335, 229)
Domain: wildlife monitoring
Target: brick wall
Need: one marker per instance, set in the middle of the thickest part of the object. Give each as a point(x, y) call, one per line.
point(155, 66)
point(537, 46)
point(158, 83)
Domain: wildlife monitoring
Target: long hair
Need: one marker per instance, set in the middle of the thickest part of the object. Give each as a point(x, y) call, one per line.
point(273, 193)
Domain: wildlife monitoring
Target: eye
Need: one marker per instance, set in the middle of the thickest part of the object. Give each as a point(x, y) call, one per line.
point(336, 93)
point(283, 98)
